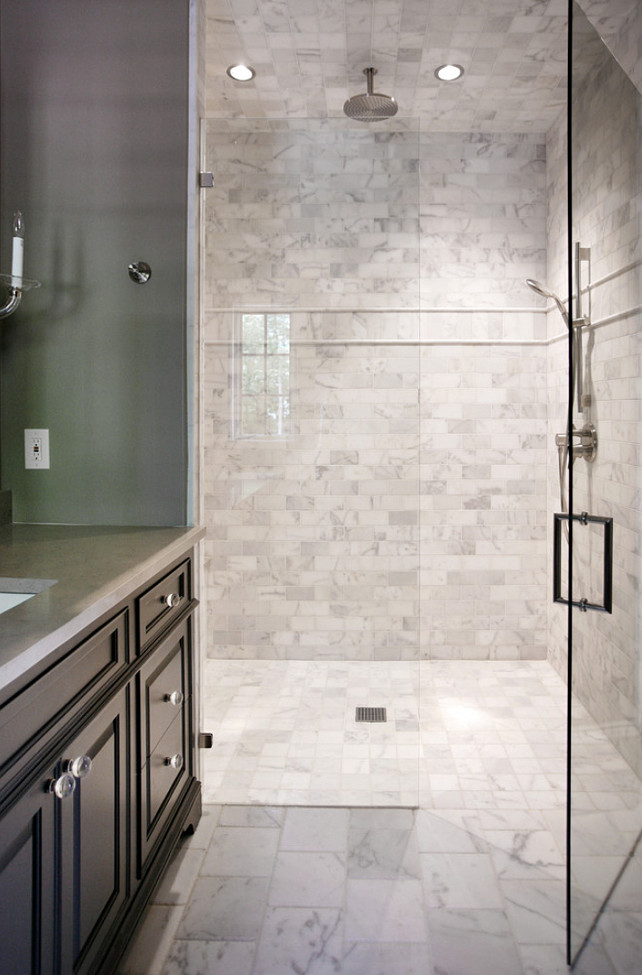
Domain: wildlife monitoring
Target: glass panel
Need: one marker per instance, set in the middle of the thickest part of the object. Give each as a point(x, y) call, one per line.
point(253, 375)
point(253, 337)
point(278, 334)
point(313, 485)
point(605, 809)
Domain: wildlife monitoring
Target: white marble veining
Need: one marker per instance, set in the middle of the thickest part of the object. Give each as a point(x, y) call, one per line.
point(409, 486)
point(451, 887)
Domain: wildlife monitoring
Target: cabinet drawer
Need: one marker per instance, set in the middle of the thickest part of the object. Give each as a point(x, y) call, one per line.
point(165, 767)
point(167, 770)
point(163, 603)
point(84, 672)
point(164, 688)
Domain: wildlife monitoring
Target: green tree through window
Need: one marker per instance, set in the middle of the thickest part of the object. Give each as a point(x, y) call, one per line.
point(265, 375)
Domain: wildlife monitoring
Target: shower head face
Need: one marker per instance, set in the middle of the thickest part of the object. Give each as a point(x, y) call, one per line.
point(539, 288)
point(545, 292)
point(371, 106)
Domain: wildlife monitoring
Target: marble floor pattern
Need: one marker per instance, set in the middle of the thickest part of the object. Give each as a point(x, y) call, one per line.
point(468, 880)
point(459, 733)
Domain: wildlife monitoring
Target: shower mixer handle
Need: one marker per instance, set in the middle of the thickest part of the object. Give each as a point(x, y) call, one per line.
point(583, 442)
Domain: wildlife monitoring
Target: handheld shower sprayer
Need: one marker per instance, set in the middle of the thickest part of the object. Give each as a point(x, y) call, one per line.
point(542, 290)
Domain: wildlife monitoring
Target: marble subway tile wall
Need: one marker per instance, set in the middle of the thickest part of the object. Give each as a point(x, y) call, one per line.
point(400, 512)
point(483, 497)
point(607, 219)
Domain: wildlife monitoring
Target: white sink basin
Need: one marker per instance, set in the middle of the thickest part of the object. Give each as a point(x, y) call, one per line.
point(10, 599)
point(16, 591)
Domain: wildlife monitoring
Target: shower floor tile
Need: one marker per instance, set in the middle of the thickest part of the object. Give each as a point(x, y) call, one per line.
point(462, 734)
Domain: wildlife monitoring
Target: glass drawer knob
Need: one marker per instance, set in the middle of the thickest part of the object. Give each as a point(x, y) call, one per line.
point(172, 600)
point(175, 698)
point(63, 786)
point(176, 761)
point(79, 767)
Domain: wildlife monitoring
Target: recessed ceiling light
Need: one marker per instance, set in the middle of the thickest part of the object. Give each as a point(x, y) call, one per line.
point(449, 72)
point(241, 72)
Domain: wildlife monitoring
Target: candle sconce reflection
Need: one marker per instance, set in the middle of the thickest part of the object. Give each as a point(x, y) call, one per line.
point(16, 287)
point(15, 283)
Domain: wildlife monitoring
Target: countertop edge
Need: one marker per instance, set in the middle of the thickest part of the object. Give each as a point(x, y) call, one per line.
point(107, 597)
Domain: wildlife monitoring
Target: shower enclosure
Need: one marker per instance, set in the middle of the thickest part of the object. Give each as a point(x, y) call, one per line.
point(375, 413)
point(382, 398)
point(604, 660)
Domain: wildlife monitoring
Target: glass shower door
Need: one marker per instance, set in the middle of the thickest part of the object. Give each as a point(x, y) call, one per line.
point(310, 297)
point(605, 520)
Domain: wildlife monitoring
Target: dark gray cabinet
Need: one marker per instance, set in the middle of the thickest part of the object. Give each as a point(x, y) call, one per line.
point(94, 881)
point(27, 888)
point(97, 784)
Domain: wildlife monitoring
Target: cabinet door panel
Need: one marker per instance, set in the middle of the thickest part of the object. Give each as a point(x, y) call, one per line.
point(94, 842)
point(27, 885)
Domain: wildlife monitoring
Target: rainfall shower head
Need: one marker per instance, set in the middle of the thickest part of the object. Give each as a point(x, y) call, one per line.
point(372, 106)
point(542, 290)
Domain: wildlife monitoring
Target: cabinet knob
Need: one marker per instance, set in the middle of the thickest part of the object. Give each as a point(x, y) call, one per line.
point(176, 761)
point(78, 767)
point(173, 599)
point(176, 698)
point(63, 786)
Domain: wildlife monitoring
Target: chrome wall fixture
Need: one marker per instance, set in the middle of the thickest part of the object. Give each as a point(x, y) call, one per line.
point(140, 272)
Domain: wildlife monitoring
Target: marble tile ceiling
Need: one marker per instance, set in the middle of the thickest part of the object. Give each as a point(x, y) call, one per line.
point(309, 57)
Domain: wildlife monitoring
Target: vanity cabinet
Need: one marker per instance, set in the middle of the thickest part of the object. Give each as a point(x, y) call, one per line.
point(97, 784)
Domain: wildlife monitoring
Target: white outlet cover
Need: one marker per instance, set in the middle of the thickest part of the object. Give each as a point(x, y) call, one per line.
point(36, 450)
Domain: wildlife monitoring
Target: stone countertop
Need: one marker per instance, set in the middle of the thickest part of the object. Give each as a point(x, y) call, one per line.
point(94, 569)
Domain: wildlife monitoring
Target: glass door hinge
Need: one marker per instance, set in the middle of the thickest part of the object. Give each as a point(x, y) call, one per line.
point(206, 180)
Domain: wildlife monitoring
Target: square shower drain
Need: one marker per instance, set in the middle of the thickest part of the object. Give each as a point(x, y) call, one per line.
point(371, 714)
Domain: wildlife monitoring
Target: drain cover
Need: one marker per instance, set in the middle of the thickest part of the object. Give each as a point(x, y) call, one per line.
point(371, 714)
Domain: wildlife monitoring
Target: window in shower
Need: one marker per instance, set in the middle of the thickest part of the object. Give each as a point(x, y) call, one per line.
point(263, 375)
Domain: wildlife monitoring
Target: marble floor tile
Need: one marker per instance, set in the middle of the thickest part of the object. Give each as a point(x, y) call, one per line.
point(263, 817)
point(467, 941)
point(543, 959)
point(363, 958)
point(384, 910)
point(300, 940)
point(314, 879)
point(181, 875)
point(621, 937)
point(454, 868)
point(241, 851)
point(224, 909)
point(525, 854)
point(460, 880)
point(210, 958)
point(319, 829)
point(382, 853)
point(437, 834)
point(535, 909)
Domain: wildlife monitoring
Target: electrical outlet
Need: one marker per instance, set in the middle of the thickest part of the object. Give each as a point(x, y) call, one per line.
point(36, 450)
